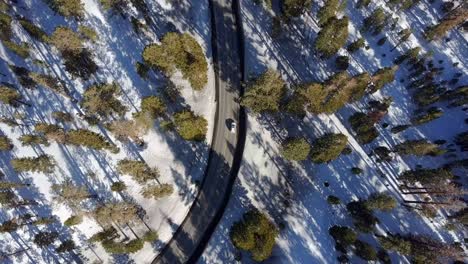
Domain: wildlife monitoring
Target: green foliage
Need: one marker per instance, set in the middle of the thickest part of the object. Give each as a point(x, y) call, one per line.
point(62, 116)
point(5, 144)
point(66, 40)
point(332, 37)
point(132, 246)
point(157, 191)
point(48, 82)
point(150, 236)
point(90, 139)
point(264, 92)
point(410, 54)
point(7, 197)
point(333, 200)
point(328, 147)
point(66, 246)
point(450, 21)
point(419, 148)
point(119, 213)
point(363, 218)
point(426, 176)
point(118, 186)
point(21, 50)
point(395, 243)
point(9, 226)
point(42, 163)
point(375, 22)
point(11, 185)
point(381, 201)
point(343, 235)
point(67, 8)
point(43, 239)
point(4, 7)
point(427, 95)
point(33, 30)
point(6, 32)
point(100, 99)
point(382, 77)
point(80, 64)
point(73, 220)
point(9, 95)
point(255, 233)
point(106, 234)
point(365, 251)
point(431, 114)
point(31, 140)
point(363, 125)
point(153, 105)
point(328, 11)
point(295, 8)
point(190, 126)
point(22, 74)
point(139, 170)
point(182, 52)
point(356, 45)
point(399, 128)
point(88, 33)
point(295, 149)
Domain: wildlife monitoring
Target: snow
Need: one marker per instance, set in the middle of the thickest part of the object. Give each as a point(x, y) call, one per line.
point(180, 163)
point(265, 178)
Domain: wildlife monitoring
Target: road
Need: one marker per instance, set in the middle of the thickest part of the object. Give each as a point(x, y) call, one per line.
point(193, 234)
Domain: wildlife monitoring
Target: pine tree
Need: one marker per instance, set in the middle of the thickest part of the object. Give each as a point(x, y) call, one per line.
point(365, 251)
point(66, 40)
point(44, 239)
point(382, 77)
point(363, 125)
point(363, 218)
point(427, 177)
point(356, 45)
point(343, 235)
point(67, 8)
point(70, 194)
point(380, 201)
point(119, 213)
point(418, 148)
point(295, 149)
point(90, 139)
point(295, 8)
point(255, 233)
point(328, 11)
point(153, 105)
point(403, 35)
point(190, 126)
point(375, 22)
point(264, 92)
point(332, 37)
point(117, 6)
point(139, 170)
point(410, 54)
point(42, 163)
point(450, 21)
point(328, 147)
point(100, 99)
point(6, 32)
point(33, 30)
point(157, 191)
point(5, 144)
point(10, 96)
point(431, 114)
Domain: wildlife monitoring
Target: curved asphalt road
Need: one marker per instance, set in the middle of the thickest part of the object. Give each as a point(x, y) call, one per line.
point(193, 234)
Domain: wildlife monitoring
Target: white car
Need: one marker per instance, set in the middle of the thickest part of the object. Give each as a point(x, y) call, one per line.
point(233, 127)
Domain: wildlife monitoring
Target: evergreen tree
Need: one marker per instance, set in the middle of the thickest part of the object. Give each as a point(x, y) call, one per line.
point(382, 77)
point(365, 251)
point(431, 114)
point(395, 243)
point(117, 6)
point(66, 40)
point(6, 32)
point(33, 30)
point(403, 36)
point(329, 10)
point(332, 37)
point(153, 105)
point(328, 147)
point(44, 239)
point(343, 235)
point(380, 201)
point(418, 148)
point(70, 194)
point(42, 163)
point(295, 8)
point(364, 127)
point(182, 52)
point(5, 144)
point(157, 191)
point(190, 126)
point(356, 45)
point(67, 8)
point(410, 54)
point(429, 177)
point(461, 140)
point(90, 139)
point(139, 170)
point(264, 92)
point(450, 21)
point(66, 246)
point(375, 22)
point(120, 213)
point(363, 218)
point(295, 149)
point(21, 50)
point(9, 96)
point(255, 233)
point(101, 100)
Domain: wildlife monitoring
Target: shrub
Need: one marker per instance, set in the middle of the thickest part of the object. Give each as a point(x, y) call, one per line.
point(381, 201)
point(31, 140)
point(431, 114)
point(33, 30)
point(356, 170)
point(157, 191)
point(418, 148)
point(356, 45)
point(66, 40)
point(153, 105)
point(365, 251)
point(333, 200)
point(43, 239)
point(364, 127)
point(73, 220)
point(5, 144)
point(88, 33)
point(118, 186)
point(255, 233)
point(87, 138)
point(295, 149)
point(21, 50)
point(328, 147)
point(343, 235)
point(101, 100)
point(332, 37)
point(264, 92)
point(182, 52)
point(190, 126)
point(67, 245)
point(150, 236)
point(42, 163)
point(67, 8)
point(139, 170)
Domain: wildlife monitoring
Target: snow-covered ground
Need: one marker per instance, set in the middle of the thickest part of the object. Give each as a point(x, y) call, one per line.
point(181, 163)
point(266, 180)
